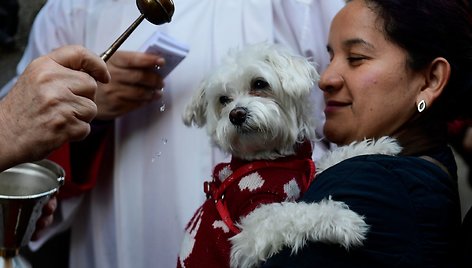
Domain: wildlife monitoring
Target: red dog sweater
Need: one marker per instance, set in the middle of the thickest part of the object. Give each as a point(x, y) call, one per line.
point(238, 188)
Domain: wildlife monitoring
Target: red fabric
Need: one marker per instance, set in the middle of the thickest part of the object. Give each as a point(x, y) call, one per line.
point(88, 177)
point(208, 235)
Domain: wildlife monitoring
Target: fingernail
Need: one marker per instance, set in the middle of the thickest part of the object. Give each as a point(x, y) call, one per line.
point(157, 94)
point(161, 61)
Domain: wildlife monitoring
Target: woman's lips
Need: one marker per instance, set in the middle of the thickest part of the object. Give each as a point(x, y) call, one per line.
point(333, 106)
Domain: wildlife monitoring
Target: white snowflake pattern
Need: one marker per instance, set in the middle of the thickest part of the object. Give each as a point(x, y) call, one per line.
point(224, 173)
point(221, 225)
point(251, 182)
point(189, 237)
point(292, 190)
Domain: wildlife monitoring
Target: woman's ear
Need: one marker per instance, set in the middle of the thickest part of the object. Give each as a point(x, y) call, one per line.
point(436, 78)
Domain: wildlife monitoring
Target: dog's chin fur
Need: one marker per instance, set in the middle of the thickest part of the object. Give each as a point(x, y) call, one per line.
point(279, 115)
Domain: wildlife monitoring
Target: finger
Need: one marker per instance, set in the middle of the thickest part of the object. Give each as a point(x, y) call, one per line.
point(147, 95)
point(65, 127)
point(136, 60)
point(144, 78)
point(79, 58)
point(50, 206)
point(80, 84)
point(47, 217)
point(41, 224)
point(139, 94)
point(84, 109)
point(78, 131)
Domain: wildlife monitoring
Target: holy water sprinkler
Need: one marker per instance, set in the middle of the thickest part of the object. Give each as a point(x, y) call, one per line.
point(155, 11)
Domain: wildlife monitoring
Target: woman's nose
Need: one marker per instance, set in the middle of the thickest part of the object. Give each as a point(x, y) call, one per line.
point(330, 80)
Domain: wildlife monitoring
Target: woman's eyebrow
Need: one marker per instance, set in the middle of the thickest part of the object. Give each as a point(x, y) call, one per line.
point(358, 42)
point(349, 43)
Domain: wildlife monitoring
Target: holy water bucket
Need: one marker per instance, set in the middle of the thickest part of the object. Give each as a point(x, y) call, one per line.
point(24, 190)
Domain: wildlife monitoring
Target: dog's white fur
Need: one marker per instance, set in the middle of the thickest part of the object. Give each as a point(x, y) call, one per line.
point(273, 87)
point(271, 227)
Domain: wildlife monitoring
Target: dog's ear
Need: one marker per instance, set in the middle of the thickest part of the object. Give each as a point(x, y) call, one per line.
point(195, 112)
point(295, 72)
point(306, 69)
point(303, 78)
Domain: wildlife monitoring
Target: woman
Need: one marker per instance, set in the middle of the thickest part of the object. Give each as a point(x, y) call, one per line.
point(399, 68)
point(133, 214)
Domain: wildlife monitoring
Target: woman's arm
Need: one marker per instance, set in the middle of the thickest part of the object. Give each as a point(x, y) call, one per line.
point(409, 205)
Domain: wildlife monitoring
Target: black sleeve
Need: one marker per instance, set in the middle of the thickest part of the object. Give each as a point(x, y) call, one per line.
point(397, 204)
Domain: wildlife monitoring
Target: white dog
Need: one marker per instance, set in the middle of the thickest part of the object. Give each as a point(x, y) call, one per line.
point(256, 106)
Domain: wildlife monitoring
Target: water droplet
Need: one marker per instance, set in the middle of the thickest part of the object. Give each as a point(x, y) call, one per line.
point(156, 156)
point(163, 107)
point(164, 140)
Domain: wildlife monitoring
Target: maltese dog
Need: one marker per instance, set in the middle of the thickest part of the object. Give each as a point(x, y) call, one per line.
point(256, 106)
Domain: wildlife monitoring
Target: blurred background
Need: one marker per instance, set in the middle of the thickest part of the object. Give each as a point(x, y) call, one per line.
point(10, 53)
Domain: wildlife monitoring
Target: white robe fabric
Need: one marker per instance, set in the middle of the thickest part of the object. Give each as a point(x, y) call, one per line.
point(136, 215)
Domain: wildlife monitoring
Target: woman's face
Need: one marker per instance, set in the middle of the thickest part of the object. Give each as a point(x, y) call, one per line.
point(368, 89)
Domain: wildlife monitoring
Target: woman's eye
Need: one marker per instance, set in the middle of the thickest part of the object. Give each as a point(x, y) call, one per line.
point(355, 59)
point(259, 84)
point(225, 100)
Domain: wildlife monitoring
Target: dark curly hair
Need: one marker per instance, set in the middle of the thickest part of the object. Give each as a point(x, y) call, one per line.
point(428, 29)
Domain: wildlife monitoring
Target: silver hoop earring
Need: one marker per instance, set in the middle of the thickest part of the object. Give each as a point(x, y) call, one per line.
point(421, 106)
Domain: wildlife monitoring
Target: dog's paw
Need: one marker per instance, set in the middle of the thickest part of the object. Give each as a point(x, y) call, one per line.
point(269, 228)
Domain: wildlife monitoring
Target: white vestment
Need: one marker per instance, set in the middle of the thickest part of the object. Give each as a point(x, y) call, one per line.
point(136, 216)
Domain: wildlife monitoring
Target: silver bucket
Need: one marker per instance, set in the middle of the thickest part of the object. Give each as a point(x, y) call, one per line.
point(24, 190)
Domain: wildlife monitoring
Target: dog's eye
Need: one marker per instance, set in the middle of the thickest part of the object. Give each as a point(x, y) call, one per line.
point(225, 100)
point(259, 84)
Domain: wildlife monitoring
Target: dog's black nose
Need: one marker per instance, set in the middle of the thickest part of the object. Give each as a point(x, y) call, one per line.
point(238, 115)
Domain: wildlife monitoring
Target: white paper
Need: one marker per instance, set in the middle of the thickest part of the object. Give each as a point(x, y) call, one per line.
point(169, 48)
